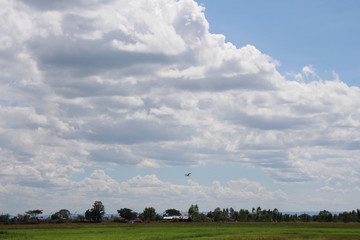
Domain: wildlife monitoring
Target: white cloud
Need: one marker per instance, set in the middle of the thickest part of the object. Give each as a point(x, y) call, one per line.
point(308, 70)
point(139, 190)
point(145, 84)
point(331, 189)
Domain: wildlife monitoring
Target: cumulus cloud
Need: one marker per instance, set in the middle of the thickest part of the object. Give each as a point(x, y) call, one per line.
point(145, 84)
point(149, 189)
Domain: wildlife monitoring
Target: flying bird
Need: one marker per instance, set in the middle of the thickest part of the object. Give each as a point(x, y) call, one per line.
point(187, 174)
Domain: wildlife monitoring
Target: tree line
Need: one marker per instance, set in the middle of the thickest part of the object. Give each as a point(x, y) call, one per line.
point(97, 212)
point(263, 215)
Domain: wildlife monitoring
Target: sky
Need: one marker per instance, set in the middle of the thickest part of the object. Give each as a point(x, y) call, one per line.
point(320, 33)
point(115, 100)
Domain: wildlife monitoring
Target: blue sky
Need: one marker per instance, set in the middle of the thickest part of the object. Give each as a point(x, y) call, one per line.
point(116, 100)
point(296, 33)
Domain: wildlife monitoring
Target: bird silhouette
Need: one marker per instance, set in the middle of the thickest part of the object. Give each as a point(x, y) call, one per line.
point(188, 174)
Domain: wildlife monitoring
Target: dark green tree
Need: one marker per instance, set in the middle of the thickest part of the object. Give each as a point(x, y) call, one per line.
point(324, 216)
point(80, 218)
point(353, 216)
point(349, 216)
point(286, 217)
point(23, 218)
point(258, 213)
point(193, 211)
point(276, 215)
point(304, 217)
point(345, 217)
point(148, 214)
point(210, 215)
point(220, 216)
point(62, 214)
point(172, 212)
point(34, 213)
point(265, 216)
point(127, 213)
point(234, 214)
point(4, 218)
point(96, 213)
point(244, 215)
point(202, 218)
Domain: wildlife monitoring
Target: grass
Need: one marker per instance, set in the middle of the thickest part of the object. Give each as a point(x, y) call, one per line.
point(156, 231)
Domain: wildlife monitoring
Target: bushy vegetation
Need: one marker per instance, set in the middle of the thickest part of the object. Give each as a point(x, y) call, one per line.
point(263, 215)
point(97, 212)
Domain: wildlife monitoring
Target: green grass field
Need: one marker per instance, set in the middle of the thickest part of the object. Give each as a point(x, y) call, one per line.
point(274, 231)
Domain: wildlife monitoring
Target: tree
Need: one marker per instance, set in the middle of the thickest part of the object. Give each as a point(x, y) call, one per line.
point(324, 216)
point(80, 218)
point(349, 216)
point(220, 215)
point(258, 213)
point(265, 216)
point(172, 212)
point(244, 215)
point(234, 214)
point(96, 213)
point(276, 215)
point(4, 218)
point(210, 215)
point(23, 218)
point(127, 213)
point(286, 217)
point(193, 211)
point(88, 214)
point(148, 214)
point(62, 214)
point(34, 213)
point(304, 217)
